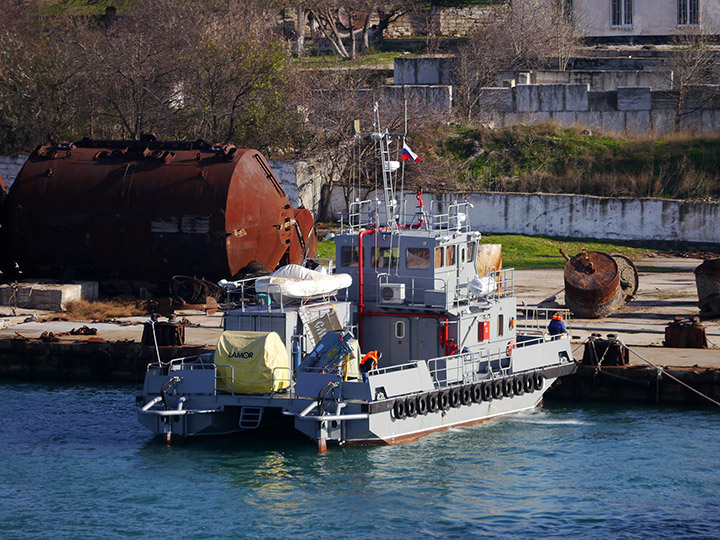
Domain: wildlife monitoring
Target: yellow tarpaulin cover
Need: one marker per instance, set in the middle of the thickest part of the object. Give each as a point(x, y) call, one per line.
point(259, 361)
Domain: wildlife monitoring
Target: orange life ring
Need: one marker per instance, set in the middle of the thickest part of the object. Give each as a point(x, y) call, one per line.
point(510, 347)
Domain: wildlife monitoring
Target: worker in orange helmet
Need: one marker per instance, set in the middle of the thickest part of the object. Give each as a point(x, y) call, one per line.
point(557, 326)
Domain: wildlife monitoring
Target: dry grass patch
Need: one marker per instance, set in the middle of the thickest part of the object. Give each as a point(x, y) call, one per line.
point(103, 310)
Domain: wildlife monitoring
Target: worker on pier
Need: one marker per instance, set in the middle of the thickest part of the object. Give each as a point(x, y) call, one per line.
point(557, 326)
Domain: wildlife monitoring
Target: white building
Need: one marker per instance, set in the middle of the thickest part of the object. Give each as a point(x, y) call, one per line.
point(641, 18)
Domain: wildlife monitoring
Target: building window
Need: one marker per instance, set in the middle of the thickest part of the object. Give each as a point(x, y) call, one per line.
point(688, 12)
point(385, 257)
point(622, 12)
point(450, 256)
point(439, 259)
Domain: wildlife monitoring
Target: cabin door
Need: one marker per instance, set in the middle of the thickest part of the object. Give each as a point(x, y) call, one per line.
point(399, 340)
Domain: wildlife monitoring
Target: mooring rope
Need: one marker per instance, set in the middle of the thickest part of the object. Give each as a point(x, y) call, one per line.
point(663, 372)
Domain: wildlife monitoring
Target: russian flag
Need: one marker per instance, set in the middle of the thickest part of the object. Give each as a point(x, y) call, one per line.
point(407, 153)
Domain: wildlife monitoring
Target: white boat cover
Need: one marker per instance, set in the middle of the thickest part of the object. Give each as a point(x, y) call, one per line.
point(482, 285)
point(296, 282)
point(251, 363)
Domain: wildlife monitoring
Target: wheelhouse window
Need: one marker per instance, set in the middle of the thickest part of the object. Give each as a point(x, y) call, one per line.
point(349, 256)
point(622, 13)
point(450, 256)
point(417, 258)
point(385, 257)
point(688, 12)
point(470, 251)
point(501, 325)
point(439, 258)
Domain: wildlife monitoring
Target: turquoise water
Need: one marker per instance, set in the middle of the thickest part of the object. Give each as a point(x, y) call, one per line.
point(75, 464)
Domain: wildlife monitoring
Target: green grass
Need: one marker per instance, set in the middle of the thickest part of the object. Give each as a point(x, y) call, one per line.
point(529, 253)
point(85, 7)
point(362, 60)
point(554, 159)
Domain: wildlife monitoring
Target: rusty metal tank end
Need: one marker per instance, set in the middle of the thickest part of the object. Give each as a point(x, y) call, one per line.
point(147, 210)
point(597, 284)
point(707, 280)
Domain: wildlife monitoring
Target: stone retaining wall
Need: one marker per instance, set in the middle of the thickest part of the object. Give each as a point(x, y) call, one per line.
point(580, 216)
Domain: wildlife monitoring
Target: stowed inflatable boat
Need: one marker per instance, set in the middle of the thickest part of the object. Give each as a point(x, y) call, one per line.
point(452, 347)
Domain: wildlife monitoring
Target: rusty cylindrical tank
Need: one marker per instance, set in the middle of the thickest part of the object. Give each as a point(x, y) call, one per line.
point(594, 284)
point(707, 280)
point(147, 210)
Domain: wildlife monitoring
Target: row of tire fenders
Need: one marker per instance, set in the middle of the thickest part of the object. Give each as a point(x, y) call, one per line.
point(468, 394)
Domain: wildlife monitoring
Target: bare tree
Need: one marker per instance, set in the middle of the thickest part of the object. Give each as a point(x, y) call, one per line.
point(696, 74)
point(523, 35)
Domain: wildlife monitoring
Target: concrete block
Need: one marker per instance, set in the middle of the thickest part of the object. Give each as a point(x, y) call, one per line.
point(711, 121)
point(538, 117)
point(427, 71)
point(438, 97)
point(613, 121)
point(523, 78)
point(552, 97)
point(576, 97)
point(46, 295)
point(527, 98)
point(662, 121)
point(584, 118)
point(404, 71)
point(496, 99)
point(634, 99)
point(564, 118)
point(637, 122)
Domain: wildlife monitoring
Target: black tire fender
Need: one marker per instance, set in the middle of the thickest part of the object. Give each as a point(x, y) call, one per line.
point(466, 394)
point(518, 385)
point(422, 404)
point(487, 391)
point(411, 406)
point(455, 397)
point(497, 388)
point(477, 393)
point(529, 384)
point(538, 381)
point(432, 402)
point(444, 400)
point(507, 387)
point(399, 409)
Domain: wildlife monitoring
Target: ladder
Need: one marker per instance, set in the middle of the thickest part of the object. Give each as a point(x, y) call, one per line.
point(250, 417)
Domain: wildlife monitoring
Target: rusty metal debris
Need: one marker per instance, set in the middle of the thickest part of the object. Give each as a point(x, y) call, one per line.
point(686, 334)
point(83, 331)
point(597, 284)
point(147, 210)
point(707, 280)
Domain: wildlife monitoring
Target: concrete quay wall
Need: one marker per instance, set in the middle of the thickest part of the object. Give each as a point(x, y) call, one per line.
point(580, 216)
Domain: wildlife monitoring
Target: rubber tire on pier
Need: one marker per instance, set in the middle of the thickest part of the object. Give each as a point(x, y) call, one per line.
point(518, 385)
point(422, 404)
point(444, 400)
point(487, 391)
point(466, 394)
point(538, 380)
point(399, 409)
point(411, 406)
point(497, 388)
point(477, 393)
point(529, 383)
point(507, 387)
point(455, 397)
point(432, 402)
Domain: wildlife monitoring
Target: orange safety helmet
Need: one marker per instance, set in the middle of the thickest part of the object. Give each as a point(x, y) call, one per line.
point(558, 317)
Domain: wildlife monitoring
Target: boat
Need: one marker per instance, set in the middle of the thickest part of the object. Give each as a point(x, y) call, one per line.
point(450, 347)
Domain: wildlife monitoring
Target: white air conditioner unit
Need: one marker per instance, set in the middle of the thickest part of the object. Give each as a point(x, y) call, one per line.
point(392, 293)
